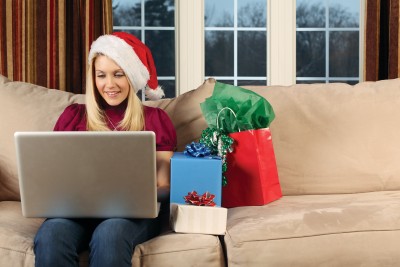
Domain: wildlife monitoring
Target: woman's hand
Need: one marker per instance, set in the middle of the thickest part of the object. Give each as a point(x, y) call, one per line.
point(163, 159)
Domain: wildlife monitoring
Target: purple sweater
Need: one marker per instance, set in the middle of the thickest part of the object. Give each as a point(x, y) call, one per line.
point(74, 119)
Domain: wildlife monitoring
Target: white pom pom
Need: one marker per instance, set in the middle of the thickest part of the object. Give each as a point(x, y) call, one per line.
point(154, 94)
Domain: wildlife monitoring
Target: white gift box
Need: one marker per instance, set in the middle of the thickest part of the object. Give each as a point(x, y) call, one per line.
point(198, 219)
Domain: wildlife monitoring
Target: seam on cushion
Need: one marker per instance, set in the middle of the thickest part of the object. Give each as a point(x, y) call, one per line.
point(217, 245)
point(175, 251)
point(310, 236)
point(18, 251)
point(340, 193)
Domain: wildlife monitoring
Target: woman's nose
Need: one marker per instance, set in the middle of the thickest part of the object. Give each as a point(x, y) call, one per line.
point(109, 81)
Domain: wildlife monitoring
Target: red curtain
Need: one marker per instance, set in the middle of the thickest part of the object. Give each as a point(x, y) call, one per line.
point(46, 42)
point(381, 40)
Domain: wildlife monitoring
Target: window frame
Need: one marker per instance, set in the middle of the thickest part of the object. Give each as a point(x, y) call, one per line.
point(281, 37)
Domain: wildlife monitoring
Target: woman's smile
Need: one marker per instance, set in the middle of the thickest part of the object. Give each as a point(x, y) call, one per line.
point(112, 94)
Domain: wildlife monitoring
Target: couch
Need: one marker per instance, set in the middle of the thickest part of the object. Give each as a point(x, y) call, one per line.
point(337, 149)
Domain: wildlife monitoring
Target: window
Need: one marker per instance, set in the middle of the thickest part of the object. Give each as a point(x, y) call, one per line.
point(236, 40)
point(248, 41)
point(328, 41)
point(327, 47)
point(153, 22)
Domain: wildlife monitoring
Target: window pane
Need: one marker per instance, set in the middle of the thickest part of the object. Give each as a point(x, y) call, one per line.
point(126, 12)
point(162, 46)
point(218, 13)
point(252, 82)
point(252, 13)
point(344, 13)
point(251, 58)
point(343, 54)
point(310, 50)
point(310, 14)
point(219, 53)
point(159, 13)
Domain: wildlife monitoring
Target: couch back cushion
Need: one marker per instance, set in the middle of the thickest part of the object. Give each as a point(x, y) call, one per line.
point(185, 113)
point(328, 138)
point(336, 138)
point(25, 107)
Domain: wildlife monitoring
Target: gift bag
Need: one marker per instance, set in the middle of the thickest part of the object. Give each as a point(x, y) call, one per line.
point(251, 176)
point(252, 173)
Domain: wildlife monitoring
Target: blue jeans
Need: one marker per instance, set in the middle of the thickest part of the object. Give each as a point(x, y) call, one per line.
point(111, 242)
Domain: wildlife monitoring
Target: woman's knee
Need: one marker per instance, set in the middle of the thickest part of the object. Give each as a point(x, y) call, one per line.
point(111, 243)
point(57, 241)
point(113, 230)
point(55, 230)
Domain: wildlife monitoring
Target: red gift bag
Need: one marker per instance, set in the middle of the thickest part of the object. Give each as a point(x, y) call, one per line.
point(252, 174)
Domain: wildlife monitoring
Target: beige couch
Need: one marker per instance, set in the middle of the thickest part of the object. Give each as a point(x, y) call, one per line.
point(338, 155)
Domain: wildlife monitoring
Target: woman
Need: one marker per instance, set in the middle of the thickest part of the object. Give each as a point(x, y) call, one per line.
point(119, 66)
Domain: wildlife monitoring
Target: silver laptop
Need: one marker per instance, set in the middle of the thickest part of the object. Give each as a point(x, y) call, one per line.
point(87, 174)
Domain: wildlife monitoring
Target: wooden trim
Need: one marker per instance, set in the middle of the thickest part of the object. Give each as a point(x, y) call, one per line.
point(393, 46)
point(9, 40)
point(372, 35)
point(189, 44)
point(61, 44)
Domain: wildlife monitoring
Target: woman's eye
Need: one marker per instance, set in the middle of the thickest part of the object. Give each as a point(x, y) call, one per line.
point(119, 75)
point(100, 76)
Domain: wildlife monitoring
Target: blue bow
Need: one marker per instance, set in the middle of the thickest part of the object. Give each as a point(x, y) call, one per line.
point(197, 150)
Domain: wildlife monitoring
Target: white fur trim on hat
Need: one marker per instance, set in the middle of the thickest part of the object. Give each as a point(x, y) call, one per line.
point(124, 55)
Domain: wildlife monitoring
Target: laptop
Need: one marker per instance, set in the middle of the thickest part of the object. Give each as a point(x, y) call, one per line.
point(87, 174)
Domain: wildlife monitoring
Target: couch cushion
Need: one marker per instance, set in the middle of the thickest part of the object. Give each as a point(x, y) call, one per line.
point(16, 235)
point(173, 249)
point(328, 230)
point(25, 107)
point(170, 249)
point(336, 138)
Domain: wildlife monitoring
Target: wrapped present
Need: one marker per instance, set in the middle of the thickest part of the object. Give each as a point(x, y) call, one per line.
point(201, 174)
point(187, 218)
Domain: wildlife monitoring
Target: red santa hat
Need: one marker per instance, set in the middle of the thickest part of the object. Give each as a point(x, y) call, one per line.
point(134, 57)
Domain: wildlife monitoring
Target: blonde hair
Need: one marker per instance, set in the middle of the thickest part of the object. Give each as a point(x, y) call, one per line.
point(133, 119)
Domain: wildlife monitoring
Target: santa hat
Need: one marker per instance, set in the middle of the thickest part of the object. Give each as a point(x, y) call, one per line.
point(133, 57)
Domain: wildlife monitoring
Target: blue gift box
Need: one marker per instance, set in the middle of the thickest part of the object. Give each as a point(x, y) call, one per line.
point(200, 174)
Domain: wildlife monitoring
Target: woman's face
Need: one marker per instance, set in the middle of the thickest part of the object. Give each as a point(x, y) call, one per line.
point(110, 80)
